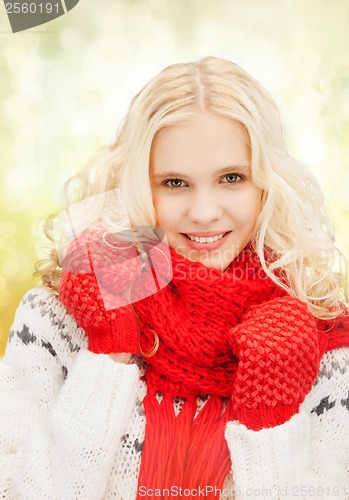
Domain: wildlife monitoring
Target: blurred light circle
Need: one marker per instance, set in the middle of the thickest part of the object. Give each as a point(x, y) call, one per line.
point(10, 267)
point(20, 179)
point(7, 243)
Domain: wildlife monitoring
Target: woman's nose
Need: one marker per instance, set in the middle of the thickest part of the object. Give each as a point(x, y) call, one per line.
point(204, 208)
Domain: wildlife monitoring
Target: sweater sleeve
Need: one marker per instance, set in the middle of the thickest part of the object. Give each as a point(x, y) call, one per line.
point(63, 409)
point(307, 456)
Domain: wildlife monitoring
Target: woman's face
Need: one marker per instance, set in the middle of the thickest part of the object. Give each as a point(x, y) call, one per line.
point(203, 194)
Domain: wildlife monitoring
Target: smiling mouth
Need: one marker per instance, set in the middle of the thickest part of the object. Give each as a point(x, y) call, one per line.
point(209, 239)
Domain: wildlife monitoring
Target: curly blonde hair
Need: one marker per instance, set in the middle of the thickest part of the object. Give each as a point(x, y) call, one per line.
point(292, 225)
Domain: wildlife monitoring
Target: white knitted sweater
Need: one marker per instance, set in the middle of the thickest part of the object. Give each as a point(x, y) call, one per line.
point(72, 423)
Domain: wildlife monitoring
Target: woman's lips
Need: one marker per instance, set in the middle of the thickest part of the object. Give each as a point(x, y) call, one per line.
point(208, 245)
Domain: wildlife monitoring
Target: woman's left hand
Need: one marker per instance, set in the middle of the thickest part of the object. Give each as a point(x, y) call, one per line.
point(277, 345)
point(121, 357)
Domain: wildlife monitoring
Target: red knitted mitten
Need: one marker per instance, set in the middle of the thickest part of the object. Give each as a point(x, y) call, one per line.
point(94, 276)
point(277, 346)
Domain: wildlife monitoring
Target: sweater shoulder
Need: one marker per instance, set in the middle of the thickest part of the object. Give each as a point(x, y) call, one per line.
point(41, 320)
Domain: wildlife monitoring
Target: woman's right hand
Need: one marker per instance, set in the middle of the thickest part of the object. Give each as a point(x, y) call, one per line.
point(98, 306)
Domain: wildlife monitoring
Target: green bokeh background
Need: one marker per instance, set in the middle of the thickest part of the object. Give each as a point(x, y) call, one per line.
point(65, 85)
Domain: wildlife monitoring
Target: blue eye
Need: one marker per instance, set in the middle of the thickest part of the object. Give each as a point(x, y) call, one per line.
point(232, 178)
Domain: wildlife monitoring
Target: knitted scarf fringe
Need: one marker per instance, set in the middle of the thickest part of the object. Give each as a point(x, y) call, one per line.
point(192, 452)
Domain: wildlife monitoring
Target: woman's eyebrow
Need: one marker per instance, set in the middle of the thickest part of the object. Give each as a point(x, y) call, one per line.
point(221, 171)
point(169, 174)
point(234, 169)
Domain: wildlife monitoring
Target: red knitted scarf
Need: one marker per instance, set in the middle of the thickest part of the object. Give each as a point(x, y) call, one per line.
point(192, 317)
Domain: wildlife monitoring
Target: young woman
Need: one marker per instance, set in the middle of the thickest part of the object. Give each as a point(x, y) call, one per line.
point(190, 337)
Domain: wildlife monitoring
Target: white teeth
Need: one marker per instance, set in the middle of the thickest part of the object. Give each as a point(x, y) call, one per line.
point(210, 239)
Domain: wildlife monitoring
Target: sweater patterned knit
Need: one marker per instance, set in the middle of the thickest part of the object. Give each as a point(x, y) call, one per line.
point(72, 423)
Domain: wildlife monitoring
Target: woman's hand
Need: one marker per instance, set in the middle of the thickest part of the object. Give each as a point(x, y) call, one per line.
point(121, 357)
point(91, 288)
point(277, 345)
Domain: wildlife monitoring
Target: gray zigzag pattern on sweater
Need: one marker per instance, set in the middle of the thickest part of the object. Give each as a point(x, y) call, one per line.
point(34, 302)
point(29, 338)
point(328, 371)
point(41, 305)
point(345, 402)
point(326, 404)
point(25, 335)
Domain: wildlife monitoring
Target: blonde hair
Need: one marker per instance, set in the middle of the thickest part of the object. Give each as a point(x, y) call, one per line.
point(294, 239)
